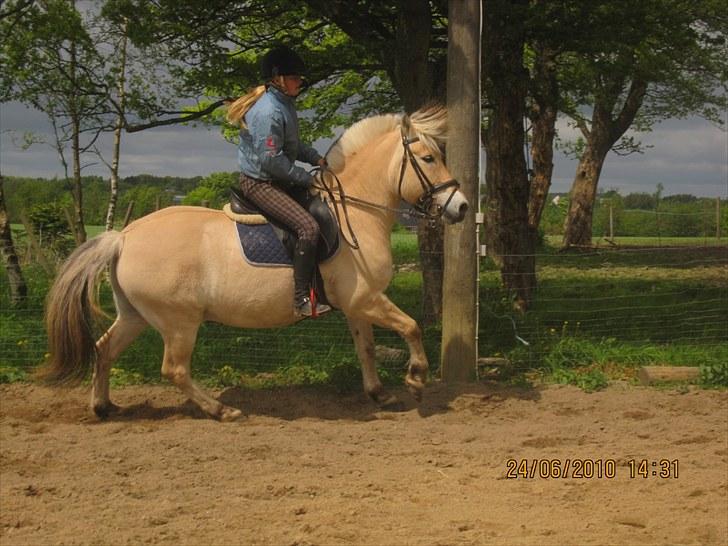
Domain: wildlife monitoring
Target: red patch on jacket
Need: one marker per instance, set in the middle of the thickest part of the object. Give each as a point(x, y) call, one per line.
point(270, 142)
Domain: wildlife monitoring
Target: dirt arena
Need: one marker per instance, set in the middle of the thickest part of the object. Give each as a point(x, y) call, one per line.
point(313, 467)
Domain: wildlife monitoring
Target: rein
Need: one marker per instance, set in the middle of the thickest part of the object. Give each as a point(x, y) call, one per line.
point(421, 209)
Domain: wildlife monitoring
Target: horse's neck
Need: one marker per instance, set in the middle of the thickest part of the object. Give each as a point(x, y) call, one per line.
point(367, 176)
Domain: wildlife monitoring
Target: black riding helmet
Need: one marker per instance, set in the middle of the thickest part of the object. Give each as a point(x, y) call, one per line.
point(281, 61)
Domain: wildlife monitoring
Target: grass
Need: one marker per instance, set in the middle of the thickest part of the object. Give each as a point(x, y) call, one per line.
point(597, 316)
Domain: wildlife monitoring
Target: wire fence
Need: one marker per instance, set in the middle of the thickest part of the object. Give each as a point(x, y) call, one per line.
point(639, 301)
point(634, 305)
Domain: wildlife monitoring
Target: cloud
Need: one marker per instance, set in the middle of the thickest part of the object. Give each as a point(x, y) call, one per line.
point(688, 156)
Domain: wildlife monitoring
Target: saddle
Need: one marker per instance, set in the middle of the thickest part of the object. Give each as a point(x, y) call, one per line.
point(247, 214)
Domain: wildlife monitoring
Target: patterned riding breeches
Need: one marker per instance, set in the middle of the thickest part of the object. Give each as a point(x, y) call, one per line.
point(280, 206)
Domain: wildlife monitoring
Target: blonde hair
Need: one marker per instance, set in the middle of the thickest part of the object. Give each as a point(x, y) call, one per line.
point(237, 110)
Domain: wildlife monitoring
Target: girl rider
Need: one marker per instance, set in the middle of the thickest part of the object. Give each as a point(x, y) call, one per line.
point(269, 146)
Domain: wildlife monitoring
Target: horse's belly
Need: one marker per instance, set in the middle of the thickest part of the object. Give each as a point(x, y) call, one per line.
point(253, 297)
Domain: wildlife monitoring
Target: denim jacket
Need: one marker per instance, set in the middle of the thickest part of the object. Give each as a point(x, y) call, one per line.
point(269, 145)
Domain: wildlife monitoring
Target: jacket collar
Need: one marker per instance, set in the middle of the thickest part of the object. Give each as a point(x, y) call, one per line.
point(280, 95)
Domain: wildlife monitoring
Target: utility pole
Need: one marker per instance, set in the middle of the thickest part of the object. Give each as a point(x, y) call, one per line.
point(459, 351)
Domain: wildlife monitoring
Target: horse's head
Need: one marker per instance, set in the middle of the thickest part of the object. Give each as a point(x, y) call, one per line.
point(424, 180)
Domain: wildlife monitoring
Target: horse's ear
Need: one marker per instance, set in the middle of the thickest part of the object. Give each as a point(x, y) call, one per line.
point(406, 124)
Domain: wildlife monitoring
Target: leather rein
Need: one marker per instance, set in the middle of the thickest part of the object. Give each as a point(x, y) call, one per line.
point(421, 209)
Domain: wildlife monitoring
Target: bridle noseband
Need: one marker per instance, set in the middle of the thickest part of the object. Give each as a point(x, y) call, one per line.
point(424, 203)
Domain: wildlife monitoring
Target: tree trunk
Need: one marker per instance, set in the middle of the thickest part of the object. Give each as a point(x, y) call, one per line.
point(410, 72)
point(79, 229)
point(605, 131)
point(543, 113)
point(578, 224)
point(507, 186)
point(410, 75)
point(114, 178)
point(18, 288)
point(432, 248)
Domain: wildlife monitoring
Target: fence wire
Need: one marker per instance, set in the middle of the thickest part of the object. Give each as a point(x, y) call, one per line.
point(642, 297)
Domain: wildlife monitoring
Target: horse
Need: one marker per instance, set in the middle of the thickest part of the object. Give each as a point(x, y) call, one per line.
point(177, 267)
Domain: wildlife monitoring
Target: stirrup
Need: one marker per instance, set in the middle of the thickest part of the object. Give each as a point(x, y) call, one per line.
point(305, 309)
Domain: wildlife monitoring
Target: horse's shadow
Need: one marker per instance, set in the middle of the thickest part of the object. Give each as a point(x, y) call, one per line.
point(292, 403)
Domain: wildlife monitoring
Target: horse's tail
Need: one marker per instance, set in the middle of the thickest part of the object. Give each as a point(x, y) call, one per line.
point(72, 309)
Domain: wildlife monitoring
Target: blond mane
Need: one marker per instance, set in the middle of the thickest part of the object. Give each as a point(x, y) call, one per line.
point(428, 124)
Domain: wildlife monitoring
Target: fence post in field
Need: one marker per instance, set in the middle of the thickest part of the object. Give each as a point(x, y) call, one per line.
point(127, 216)
point(611, 223)
point(459, 352)
point(717, 219)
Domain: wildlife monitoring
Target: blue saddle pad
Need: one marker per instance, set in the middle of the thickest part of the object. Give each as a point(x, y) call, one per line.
point(260, 245)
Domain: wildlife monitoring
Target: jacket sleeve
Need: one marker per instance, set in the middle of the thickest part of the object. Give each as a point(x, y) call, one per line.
point(268, 144)
point(308, 154)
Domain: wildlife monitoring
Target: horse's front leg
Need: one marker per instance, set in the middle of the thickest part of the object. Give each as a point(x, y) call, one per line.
point(381, 311)
point(361, 331)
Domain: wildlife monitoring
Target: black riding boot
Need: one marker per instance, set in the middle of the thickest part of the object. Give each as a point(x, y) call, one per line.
point(304, 262)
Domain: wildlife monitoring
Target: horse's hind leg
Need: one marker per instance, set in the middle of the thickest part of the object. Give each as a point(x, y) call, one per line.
point(361, 331)
point(178, 346)
point(109, 347)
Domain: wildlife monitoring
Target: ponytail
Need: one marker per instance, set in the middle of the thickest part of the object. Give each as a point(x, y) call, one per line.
point(237, 110)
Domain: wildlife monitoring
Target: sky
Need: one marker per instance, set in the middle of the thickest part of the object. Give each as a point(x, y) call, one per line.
point(687, 156)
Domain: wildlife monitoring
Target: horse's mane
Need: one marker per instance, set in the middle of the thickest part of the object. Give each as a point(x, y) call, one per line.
point(429, 124)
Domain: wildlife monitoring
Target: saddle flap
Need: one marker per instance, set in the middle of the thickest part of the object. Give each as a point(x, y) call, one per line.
point(239, 204)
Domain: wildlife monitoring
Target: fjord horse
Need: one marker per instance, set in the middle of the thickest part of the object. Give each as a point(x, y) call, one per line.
point(180, 266)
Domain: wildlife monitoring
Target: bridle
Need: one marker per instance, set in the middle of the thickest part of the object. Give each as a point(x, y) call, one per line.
point(424, 202)
point(422, 208)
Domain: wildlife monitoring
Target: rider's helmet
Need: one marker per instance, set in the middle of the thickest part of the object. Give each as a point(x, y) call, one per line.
point(281, 61)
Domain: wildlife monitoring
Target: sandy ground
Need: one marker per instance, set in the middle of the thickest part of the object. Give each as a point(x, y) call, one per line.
point(313, 467)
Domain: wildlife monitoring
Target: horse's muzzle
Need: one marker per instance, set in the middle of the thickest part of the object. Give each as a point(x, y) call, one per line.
point(455, 208)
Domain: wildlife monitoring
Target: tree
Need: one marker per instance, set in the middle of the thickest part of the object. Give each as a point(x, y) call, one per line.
point(214, 189)
point(121, 70)
point(50, 63)
point(507, 185)
point(18, 287)
point(668, 60)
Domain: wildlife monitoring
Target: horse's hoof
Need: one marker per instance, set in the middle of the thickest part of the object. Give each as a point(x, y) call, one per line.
point(103, 411)
point(415, 387)
point(228, 414)
point(385, 400)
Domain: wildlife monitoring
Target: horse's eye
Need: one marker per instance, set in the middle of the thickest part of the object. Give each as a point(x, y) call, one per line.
point(428, 159)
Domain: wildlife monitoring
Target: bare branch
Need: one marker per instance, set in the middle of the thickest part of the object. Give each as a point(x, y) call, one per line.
point(190, 116)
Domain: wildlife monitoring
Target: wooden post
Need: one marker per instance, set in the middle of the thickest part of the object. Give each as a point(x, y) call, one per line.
point(717, 219)
point(127, 216)
point(459, 350)
point(611, 223)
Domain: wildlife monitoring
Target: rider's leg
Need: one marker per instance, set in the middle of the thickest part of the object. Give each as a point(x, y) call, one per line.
point(277, 204)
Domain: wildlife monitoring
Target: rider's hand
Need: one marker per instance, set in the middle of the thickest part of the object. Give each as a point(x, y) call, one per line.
point(323, 163)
